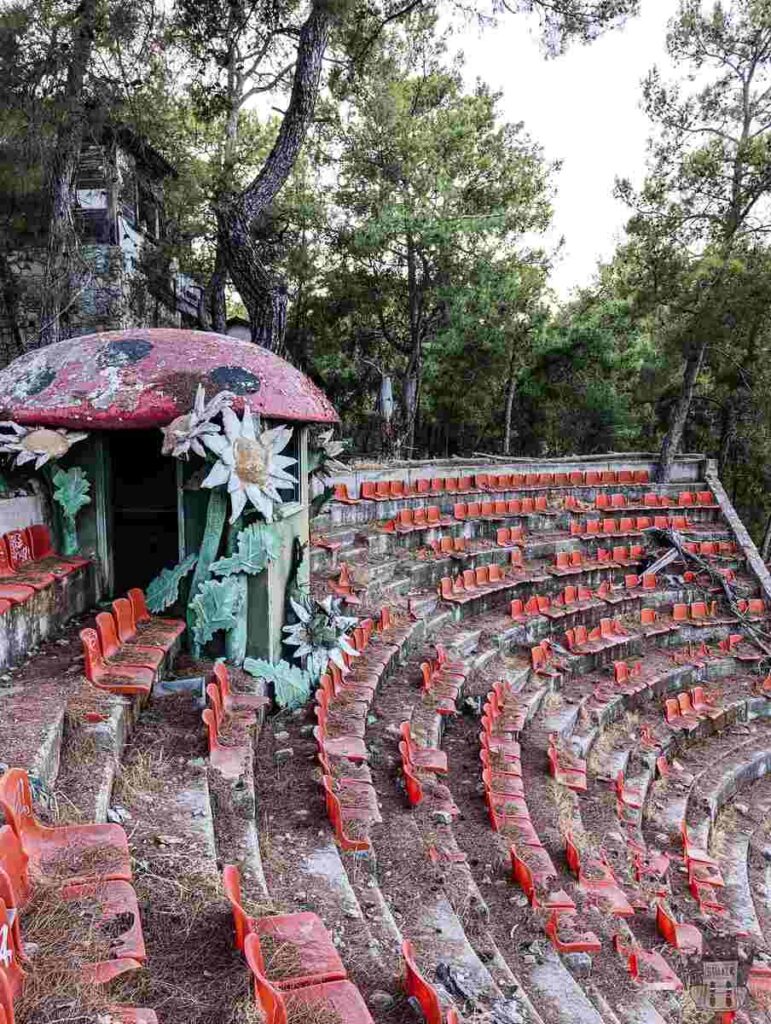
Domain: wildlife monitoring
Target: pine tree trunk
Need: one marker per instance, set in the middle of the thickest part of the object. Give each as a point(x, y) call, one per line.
point(244, 218)
point(61, 179)
point(674, 436)
point(765, 547)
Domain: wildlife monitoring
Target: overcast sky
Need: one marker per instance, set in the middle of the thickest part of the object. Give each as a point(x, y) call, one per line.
point(584, 109)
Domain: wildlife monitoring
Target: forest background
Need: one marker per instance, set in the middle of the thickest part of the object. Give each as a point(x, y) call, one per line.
point(378, 223)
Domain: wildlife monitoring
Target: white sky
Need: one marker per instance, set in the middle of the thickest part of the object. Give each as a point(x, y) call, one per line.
point(584, 109)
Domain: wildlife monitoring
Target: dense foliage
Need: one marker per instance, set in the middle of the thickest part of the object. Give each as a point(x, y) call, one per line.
point(374, 218)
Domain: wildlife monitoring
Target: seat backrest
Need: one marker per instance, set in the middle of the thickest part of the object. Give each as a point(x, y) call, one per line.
point(609, 526)
point(222, 677)
point(139, 606)
point(437, 484)
point(593, 526)
point(572, 855)
point(503, 536)
point(516, 558)
point(124, 619)
point(11, 974)
point(617, 501)
point(412, 784)
point(108, 638)
point(460, 510)
point(576, 477)
point(685, 498)
point(620, 553)
point(527, 506)
point(671, 708)
point(631, 581)
point(40, 541)
point(649, 581)
point(562, 560)
point(626, 524)
point(482, 575)
point(576, 559)
point(420, 516)
point(404, 516)
point(16, 801)
point(602, 501)
point(19, 550)
point(620, 671)
point(210, 721)
point(215, 699)
point(433, 514)
point(680, 612)
point(625, 476)
point(537, 657)
point(469, 579)
point(416, 987)
point(541, 503)
point(474, 509)
point(647, 616)
point(268, 998)
point(242, 923)
point(94, 665)
point(517, 608)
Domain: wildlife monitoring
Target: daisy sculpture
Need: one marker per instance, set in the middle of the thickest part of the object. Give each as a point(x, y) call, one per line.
point(250, 463)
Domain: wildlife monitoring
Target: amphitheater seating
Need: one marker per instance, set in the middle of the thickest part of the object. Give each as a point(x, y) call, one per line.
point(429, 759)
point(232, 701)
point(43, 555)
point(152, 629)
point(685, 937)
point(566, 769)
point(424, 994)
point(117, 654)
point(596, 877)
point(230, 761)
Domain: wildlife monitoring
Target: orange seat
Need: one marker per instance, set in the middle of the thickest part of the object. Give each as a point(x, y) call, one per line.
point(233, 701)
point(115, 654)
point(417, 988)
point(46, 558)
point(338, 1000)
point(128, 680)
point(151, 628)
point(230, 762)
point(341, 494)
point(313, 959)
point(685, 937)
point(75, 854)
point(430, 759)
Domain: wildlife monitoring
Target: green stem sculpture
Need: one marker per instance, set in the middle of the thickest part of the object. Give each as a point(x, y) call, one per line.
point(235, 638)
point(216, 514)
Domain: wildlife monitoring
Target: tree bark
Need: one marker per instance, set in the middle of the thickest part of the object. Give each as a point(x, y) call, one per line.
point(61, 178)
point(727, 436)
point(9, 296)
point(765, 547)
point(414, 372)
point(679, 418)
point(244, 219)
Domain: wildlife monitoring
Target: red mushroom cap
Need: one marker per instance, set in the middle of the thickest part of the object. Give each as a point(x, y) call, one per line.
point(145, 377)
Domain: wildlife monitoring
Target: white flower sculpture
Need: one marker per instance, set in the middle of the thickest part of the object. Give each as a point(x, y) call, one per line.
point(36, 444)
point(186, 433)
point(331, 449)
point(320, 634)
point(249, 463)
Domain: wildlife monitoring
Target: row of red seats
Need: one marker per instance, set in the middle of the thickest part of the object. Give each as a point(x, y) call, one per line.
point(126, 651)
point(531, 866)
point(568, 563)
point(495, 510)
point(473, 582)
point(686, 499)
point(88, 866)
point(342, 700)
point(687, 709)
point(712, 548)
point(390, 490)
point(609, 633)
point(316, 982)
point(29, 564)
point(595, 876)
point(627, 525)
point(229, 709)
point(571, 599)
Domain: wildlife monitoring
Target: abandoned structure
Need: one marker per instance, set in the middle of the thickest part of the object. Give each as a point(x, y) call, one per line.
point(531, 782)
point(122, 278)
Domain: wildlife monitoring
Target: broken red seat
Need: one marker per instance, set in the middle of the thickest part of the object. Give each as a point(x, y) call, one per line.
point(73, 854)
point(350, 748)
point(685, 937)
point(419, 789)
point(152, 629)
point(133, 656)
point(503, 753)
point(700, 865)
point(532, 869)
point(567, 939)
point(422, 991)
point(125, 680)
point(37, 579)
point(44, 556)
point(737, 646)
point(628, 796)
point(649, 969)
point(596, 877)
point(566, 769)
point(11, 973)
point(341, 816)
point(506, 783)
point(428, 758)
point(337, 1000)
point(316, 958)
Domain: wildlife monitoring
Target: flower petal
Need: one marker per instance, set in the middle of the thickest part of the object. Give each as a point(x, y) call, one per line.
point(247, 424)
point(231, 423)
point(218, 475)
point(237, 501)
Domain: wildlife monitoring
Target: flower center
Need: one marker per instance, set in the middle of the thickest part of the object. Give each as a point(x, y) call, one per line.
point(48, 441)
point(251, 461)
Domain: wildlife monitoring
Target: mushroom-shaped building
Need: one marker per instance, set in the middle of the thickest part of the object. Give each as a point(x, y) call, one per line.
point(151, 510)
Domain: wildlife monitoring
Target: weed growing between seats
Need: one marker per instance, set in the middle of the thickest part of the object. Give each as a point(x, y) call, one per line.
point(72, 862)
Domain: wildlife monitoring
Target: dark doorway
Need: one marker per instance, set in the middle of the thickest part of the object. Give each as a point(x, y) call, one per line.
point(144, 508)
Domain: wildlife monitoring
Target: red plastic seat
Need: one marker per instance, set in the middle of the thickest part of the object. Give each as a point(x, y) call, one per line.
point(16, 560)
point(232, 701)
point(685, 937)
point(230, 762)
point(317, 959)
point(341, 494)
point(150, 626)
point(121, 679)
point(46, 558)
point(428, 758)
point(115, 654)
point(584, 942)
point(66, 853)
point(338, 1000)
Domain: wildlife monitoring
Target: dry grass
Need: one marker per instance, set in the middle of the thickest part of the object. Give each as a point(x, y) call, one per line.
point(564, 802)
point(63, 936)
point(141, 775)
point(726, 824)
point(691, 1014)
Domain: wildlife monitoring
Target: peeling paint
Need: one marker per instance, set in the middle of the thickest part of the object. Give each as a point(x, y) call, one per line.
point(143, 378)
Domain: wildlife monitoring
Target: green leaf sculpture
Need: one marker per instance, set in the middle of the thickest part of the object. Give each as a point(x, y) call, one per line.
point(292, 686)
point(164, 589)
point(72, 488)
point(216, 606)
point(71, 493)
point(257, 545)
